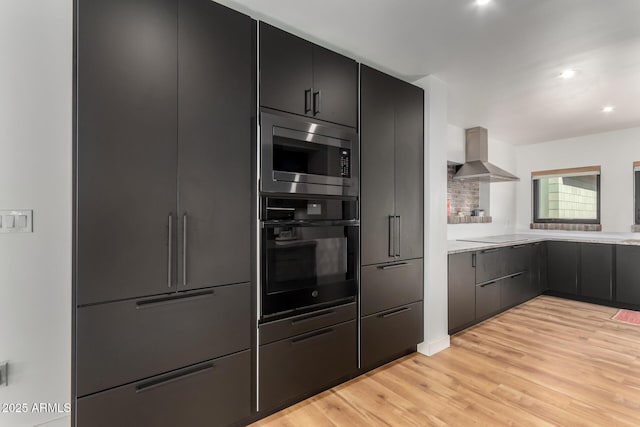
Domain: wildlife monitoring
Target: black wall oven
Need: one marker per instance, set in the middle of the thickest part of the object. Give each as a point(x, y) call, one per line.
point(309, 254)
point(305, 156)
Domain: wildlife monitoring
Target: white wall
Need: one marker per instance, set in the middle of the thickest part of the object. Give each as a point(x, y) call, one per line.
point(36, 173)
point(614, 151)
point(502, 195)
point(436, 337)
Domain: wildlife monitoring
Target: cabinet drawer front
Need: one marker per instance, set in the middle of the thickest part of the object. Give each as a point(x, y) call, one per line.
point(391, 285)
point(211, 393)
point(389, 333)
point(125, 341)
point(515, 290)
point(296, 367)
point(519, 258)
point(488, 299)
point(303, 323)
point(491, 264)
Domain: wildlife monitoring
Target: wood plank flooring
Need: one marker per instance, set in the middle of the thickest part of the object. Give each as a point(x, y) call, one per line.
point(548, 362)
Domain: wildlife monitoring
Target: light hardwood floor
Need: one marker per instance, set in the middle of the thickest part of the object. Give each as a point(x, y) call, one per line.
point(548, 362)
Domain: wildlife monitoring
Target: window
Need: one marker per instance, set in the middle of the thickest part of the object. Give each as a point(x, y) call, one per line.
point(636, 184)
point(567, 196)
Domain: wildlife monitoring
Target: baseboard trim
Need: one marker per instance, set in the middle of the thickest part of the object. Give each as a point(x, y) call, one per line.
point(433, 347)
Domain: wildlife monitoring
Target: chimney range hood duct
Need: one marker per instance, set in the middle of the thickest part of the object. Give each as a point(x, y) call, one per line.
point(477, 164)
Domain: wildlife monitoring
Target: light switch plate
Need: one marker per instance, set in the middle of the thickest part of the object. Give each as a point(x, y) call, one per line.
point(4, 374)
point(16, 221)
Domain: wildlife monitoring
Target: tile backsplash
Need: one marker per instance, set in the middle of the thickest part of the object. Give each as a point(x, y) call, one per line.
point(463, 196)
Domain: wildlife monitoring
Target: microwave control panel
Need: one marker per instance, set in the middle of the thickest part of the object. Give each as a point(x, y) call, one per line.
point(345, 163)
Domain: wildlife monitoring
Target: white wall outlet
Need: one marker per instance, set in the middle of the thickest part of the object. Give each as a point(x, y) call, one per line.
point(16, 221)
point(4, 374)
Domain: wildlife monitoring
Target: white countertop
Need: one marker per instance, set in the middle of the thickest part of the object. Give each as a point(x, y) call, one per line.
point(460, 245)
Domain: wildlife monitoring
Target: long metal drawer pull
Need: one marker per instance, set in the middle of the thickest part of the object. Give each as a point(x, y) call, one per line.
point(391, 266)
point(398, 235)
point(517, 275)
point(313, 336)
point(173, 378)
point(489, 283)
point(157, 302)
point(394, 313)
point(184, 250)
point(392, 238)
point(518, 246)
point(312, 317)
point(170, 253)
point(488, 251)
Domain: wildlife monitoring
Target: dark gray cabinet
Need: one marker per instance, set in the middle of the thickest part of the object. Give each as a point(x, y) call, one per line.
point(127, 148)
point(596, 271)
point(213, 393)
point(488, 300)
point(491, 264)
point(295, 367)
point(126, 341)
point(515, 290)
point(390, 333)
point(392, 141)
point(462, 290)
point(562, 267)
point(390, 285)
point(628, 274)
point(392, 157)
point(300, 77)
point(166, 121)
point(216, 109)
point(154, 112)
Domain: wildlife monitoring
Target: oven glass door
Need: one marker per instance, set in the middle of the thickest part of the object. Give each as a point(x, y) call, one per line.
point(307, 265)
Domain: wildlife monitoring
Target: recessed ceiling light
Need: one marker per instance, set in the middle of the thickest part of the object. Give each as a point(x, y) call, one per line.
point(482, 2)
point(569, 73)
point(607, 109)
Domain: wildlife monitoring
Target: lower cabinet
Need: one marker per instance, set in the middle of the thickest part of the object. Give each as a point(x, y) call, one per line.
point(296, 367)
point(596, 271)
point(389, 333)
point(462, 290)
point(628, 274)
point(517, 289)
point(488, 299)
point(213, 393)
point(391, 311)
point(562, 267)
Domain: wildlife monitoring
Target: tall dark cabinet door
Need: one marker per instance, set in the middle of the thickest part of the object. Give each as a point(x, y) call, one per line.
point(335, 86)
point(409, 161)
point(286, 71)
point(377, 154)
point(215, 115)
point(596, 266)
point(126, 151)
point(562, 270)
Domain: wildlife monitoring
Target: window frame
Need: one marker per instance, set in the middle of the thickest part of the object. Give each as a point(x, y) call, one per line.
point(535, 181)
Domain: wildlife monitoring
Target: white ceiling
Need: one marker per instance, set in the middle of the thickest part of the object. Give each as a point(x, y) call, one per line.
point(501, 62)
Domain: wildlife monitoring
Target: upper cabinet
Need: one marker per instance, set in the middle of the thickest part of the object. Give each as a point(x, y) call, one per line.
point(300, 77)
point(392, 144)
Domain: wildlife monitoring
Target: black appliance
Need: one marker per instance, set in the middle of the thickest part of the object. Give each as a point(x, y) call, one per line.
point(306, 156)
point(309, 254)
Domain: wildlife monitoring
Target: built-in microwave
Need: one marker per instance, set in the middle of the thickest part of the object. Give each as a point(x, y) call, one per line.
point(306, 156)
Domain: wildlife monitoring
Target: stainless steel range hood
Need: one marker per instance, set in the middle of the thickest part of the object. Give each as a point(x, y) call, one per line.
point(477, 164)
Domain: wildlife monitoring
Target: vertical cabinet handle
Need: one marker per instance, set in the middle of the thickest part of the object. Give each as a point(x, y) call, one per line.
point(398, 235)
point(392, 237)
point(307, 100)
point(317, 100)
point(184, 250)
point(170, 252)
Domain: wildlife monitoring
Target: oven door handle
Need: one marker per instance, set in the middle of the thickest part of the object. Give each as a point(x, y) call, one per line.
point(310, 223)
